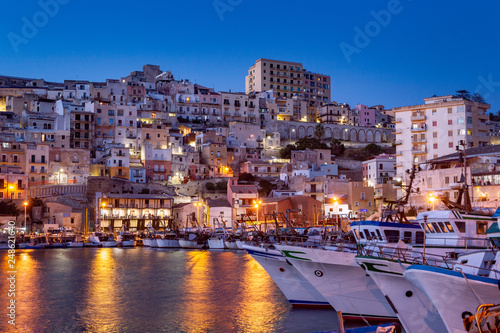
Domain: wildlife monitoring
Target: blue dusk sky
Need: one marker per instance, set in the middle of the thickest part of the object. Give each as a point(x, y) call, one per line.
point(393, 53)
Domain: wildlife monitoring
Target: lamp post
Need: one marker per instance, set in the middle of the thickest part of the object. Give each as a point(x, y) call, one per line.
point(256, 205)
point(103, 205)
point(197, 205)
point(25, 205)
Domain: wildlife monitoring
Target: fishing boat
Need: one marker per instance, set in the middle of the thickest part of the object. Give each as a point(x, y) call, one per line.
point(218, 239)
point(126, 239)
point(102, 239)
point(72, 240)
point(169, 240)
point(192, 239)
point(4, 241)
point(298, 291)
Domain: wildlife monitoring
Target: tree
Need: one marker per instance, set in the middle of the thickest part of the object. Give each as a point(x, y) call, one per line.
point(9, 208)
point(337, 147)
point(246, 177)
point(221, 186)
point(265, 187)
point(286, 152)
point(210, 186)
point(462, 93)
point(310, 143)
point(477, 97)
point(319, 131)
point(372, 149)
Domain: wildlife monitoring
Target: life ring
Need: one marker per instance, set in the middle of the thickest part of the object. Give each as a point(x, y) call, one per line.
point(466, 313)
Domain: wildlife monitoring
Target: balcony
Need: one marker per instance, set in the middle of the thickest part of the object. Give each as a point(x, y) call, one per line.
point(418, 151)
point(419, 129)
point(419, 140)
point(418, 117)
point(398, 142)
point(397, 120)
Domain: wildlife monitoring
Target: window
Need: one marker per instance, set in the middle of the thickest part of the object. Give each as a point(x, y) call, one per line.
point(356, 203)
point(446, 180)
point(450, 133)
point(434, 123)
point(450, 110)
point(460, 226)
point(434, 111)
point(450, 144)
point(448, 226)
point(392, 236)
point(435, 146)
point(450, 122)
point(434, 134)
point(481, 227)
point(460, 120)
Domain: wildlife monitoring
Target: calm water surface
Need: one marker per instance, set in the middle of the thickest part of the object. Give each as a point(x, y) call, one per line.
point(149, 290)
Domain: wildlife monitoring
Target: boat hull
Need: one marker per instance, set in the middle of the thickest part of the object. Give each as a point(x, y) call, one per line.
point(190, 244)
point(298, 291)
point(74, 244)
point(413, 308)
point(168, 243)
point(231, 245)
point(128, 243)
point(338, 277)
point(452, 294)
point(216, 243)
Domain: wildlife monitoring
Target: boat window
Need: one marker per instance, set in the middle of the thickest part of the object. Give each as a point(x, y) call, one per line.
point(367, 234)
point(449, 226)
point(436, 227)
point(481, 227)
point(379, 234)
point(424, 226)
point(373, 235)
point(430, 227)
point(460, 226)
point(419, 237)
point(407, 237)
point(463, 262)
point(443, 228)
point(392, 236)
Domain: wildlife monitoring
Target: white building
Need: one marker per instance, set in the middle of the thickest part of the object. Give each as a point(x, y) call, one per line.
point(434, 129)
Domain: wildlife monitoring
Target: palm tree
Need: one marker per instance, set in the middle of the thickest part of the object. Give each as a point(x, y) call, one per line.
point(319, 131)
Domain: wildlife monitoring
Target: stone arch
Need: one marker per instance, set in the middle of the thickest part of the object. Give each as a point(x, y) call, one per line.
point(384, 137)
point(353, 134)
point(328, 133)
point(310, 131)
point(369, 136)
point(293, 132)
point(361, 136)
point(378, 136)
point(336, 133)
point(301, 132)
point(345, 134)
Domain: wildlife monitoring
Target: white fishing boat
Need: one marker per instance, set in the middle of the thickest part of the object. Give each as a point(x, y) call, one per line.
point(169, 240)
point(126, 239)
point(72, 240)
point(102, 239)
point(192, 239)
point(414, 310)
point(292, 284)
point(334, 272)
point(454, 293)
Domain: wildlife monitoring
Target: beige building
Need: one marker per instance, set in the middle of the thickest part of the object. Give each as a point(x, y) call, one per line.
point(433, 129)
point(288, 79)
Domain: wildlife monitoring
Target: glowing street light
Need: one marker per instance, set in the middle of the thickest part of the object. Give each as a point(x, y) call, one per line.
point(432, 199)
point(11, 188)
point(256, 205)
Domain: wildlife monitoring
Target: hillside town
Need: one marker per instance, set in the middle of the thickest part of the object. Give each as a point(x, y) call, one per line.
point(153, 149)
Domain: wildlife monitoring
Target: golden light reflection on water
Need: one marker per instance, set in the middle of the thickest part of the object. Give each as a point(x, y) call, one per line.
point(28, 292)
point(197, 314)
point(100, 306)
point(259, 310)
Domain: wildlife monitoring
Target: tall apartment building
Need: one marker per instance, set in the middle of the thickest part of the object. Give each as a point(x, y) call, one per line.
point(434, 129)
point(288, 79)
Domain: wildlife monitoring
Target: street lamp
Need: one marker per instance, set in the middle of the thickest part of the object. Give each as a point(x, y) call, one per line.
point(197, 205)
point(11, 193)
point(256, 205)
point(432, 198)
point(25, 205)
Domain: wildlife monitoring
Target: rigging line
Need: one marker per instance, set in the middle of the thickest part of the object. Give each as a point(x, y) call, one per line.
point(480, 301)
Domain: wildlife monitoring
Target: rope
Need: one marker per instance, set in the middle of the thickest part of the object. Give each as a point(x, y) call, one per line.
point(478, 299)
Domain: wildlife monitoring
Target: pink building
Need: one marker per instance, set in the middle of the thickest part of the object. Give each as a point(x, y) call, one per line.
point(366, 115)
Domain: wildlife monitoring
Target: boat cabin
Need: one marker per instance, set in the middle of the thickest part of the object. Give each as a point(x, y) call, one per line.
point(369, 232)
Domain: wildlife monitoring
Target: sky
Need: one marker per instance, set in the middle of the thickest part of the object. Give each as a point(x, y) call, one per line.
point(394, 52)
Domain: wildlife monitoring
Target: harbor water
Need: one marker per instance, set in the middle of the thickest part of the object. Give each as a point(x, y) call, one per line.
point(149, 290)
